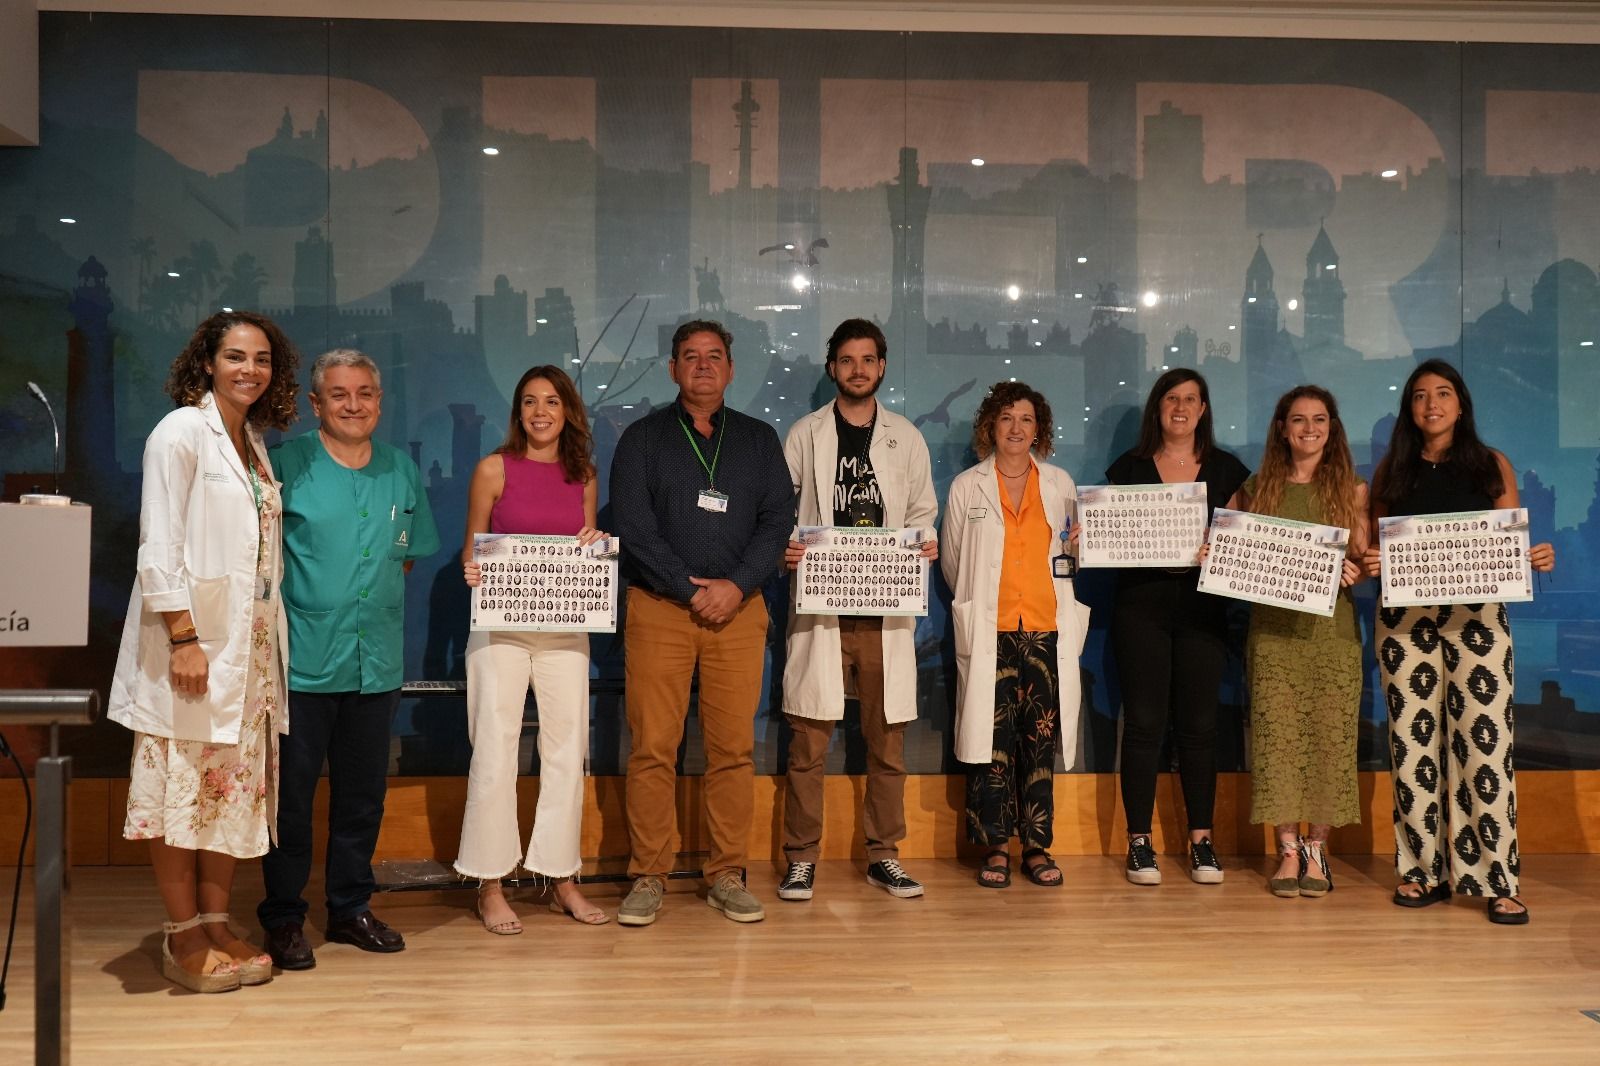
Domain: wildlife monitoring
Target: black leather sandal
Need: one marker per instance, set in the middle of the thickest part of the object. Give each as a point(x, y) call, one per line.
point(1426, 898)
point(1003, 869)
point(1499, 917)
point(1035, 871)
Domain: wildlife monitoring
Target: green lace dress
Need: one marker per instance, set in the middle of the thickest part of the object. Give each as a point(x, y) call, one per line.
point(1305, 702)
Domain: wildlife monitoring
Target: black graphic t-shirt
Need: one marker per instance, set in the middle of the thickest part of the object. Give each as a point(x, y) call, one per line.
point(857, 500)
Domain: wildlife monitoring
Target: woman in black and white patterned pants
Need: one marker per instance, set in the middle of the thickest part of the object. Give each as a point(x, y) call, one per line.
point(1447, 670)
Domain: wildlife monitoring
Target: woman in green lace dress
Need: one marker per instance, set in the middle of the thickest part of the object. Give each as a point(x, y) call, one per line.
point(1305, 670)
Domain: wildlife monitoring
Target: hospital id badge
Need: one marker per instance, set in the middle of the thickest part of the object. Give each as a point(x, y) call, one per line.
point(712, 500)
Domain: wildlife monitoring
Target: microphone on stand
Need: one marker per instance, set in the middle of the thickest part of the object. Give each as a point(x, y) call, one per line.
point(55, 469)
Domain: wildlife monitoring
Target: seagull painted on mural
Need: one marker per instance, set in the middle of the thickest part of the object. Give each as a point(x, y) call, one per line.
point(807, 258)
point(941, 413)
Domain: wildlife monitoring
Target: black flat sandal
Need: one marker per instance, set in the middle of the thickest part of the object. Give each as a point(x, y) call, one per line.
point(1035, 871)
point(1436, 894)
point(1003, 869)
point(1499, 917)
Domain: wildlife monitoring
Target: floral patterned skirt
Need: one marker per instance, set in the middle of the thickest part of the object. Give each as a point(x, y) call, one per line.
point(203, 796)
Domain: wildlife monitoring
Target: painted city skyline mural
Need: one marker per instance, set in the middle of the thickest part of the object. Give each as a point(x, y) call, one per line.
point(464, 200)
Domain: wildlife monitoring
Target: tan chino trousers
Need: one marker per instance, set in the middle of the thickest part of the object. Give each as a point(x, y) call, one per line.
point(664, 643)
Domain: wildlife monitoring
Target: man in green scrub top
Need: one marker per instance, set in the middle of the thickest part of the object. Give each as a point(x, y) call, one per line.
point(354, 520)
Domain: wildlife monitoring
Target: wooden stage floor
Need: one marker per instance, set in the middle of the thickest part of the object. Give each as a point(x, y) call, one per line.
point(1096, 971)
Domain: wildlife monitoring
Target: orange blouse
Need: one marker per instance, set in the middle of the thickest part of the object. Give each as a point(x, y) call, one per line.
point(1027, 591)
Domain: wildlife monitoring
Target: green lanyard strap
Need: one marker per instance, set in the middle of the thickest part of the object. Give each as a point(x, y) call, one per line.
point(255, 480)
point(711, 470)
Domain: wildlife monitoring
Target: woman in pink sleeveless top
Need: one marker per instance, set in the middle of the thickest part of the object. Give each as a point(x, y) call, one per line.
point(540, 481)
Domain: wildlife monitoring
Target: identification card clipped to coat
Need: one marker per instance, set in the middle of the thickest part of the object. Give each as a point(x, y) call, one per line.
point(1065, 565)
point(712, 500)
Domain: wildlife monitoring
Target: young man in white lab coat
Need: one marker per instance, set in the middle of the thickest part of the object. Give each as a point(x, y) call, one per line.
point(853, 463)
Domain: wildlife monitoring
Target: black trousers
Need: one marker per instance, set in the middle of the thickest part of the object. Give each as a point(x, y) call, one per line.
point(1170, 643)
point(351, 731)
point(1015, 794)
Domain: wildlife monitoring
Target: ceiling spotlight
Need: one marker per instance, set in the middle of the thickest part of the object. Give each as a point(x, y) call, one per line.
point(977, 161)
point(1293, 303)
point(69, 221)
point(173, 274)
point(491, 150)
point(1150, 299)
point(1083, 259)
point(798, 282)
point(1390, 173)
point(1013, 292)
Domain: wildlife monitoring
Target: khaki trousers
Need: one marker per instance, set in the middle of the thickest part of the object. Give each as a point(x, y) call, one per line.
point(883, 812)
point(664, 643)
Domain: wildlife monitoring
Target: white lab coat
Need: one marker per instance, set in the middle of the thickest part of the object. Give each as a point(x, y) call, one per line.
point(198, 538)
point(970, 552)
point(813, 675)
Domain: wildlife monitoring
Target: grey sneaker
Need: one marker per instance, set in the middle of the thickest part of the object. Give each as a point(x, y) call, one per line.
point(729, 896)
point(643, 901)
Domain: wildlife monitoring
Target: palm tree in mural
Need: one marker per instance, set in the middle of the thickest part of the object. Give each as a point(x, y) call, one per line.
point(166, 299)
point(145, 249)
point(205, 265)
point(241, 287)
point(183, 280)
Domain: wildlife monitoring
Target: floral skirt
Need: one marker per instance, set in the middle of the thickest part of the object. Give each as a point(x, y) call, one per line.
point(203, 796)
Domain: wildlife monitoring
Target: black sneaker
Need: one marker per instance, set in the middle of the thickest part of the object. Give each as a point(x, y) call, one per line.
point(1142, 868)
point(1204, 869)
point(888, 876)
point(797, 883)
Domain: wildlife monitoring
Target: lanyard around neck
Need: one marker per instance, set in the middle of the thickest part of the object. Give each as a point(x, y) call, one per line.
point(711, 468)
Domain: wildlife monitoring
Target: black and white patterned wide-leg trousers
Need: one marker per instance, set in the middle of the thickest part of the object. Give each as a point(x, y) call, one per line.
point(1446, 674)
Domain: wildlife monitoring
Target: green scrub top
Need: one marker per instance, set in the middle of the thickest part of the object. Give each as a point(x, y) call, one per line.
point(347, 535)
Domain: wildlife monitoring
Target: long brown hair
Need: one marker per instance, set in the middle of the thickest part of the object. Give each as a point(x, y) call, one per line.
point(1000, 396)
point(1334, 483)
point(188, 381)
point(576, 445)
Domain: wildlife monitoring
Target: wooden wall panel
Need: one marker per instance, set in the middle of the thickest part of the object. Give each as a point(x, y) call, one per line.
point(1559, 812)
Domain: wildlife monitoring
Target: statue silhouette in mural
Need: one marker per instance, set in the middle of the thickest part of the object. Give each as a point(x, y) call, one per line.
point(1108, 306)
point(708, 288)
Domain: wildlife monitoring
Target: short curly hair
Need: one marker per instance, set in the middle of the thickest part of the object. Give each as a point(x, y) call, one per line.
point(188, 381)
point(1000, 396)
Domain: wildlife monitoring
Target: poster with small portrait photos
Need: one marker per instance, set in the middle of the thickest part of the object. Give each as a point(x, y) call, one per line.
point(861, 570)
point(1141, 525)
point(1465, 557)
point(545, 584)
point(1275, 561)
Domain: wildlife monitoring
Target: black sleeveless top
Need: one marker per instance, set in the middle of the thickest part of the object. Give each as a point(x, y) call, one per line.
point(1441, 488)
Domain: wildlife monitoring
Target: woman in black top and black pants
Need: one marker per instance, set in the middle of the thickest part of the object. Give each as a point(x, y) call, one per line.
point(1446, 670)
point(1169, 638)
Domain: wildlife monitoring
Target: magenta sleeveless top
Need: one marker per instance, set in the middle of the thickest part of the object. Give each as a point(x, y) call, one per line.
point(538, 499)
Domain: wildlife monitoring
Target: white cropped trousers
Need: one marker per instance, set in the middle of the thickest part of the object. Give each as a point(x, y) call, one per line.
point(500, 667)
